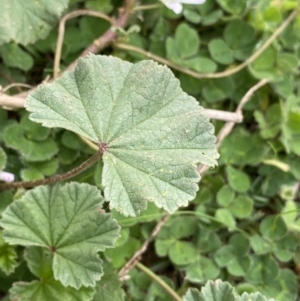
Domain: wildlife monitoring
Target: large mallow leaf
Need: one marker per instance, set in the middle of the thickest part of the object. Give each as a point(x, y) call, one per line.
point(152, 134)
point(68, 221)
point(25, 22)
point(220, 291)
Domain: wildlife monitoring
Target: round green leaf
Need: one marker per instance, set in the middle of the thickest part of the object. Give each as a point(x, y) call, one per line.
point(225, 196)
point(187, 41)
point(238, 33)
point(225, 217)
point(218, 89)
point(263, 269)
point(15, 56)
point(241, 207)
point(182, 253)
point(202, 270)
point(273, 227)
point(67, 221)
point(220, 52)
point(26, 22)
point(239, 266)
point(152, 133)
point(234, 7)
point(201, 64)
point(238, 180)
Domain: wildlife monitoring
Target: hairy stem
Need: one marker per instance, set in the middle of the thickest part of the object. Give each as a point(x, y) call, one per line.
point(57, 178)
point(158, 280)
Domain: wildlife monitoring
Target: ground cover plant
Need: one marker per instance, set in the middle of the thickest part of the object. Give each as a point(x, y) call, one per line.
point(111, 113)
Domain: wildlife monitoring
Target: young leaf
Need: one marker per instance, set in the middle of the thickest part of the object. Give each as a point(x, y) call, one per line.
point(27, 22)
point(212, 291)
point(8, 256)
point(152, 134)
point(66, 220)
point(47, 288)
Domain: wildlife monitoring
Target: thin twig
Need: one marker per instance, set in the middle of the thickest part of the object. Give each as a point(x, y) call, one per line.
point(225, 73)
point(10, 80)
point(223, 115)
point(138, 254)
point(108, 36)
point(13, 85)
point(158, 280)
point(57, 178)
point(10, 102)
point(61, 32)
point(228, 126)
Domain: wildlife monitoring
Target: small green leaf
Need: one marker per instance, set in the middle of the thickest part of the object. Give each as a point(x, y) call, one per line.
point(201, 64)
point(217, 89)
point(241, 207)
point(225, 196)
point(178, 227)
point(212, 18)
point(273, 227)
point(263, 269)
point(154, 134)
point(233, 6)
point(118, 256)
point(225, 217)
point(202, 270)
point(238, 180)
point(220, 52)
point(33, 151)
point(33, 130)
point(8, 256)
point(241, 148)
point(192, 16)
point(59, 218)
point(238, 33)
point(259, 245)
point(31, 174)
point(187, 41)
point(15, 56)
point(223, 256)
point(182, 253)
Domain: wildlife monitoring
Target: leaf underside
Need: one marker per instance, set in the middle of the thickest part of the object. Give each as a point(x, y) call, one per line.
point(152, 133)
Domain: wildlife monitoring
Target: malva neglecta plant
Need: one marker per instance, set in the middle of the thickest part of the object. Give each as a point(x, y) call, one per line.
point(128, 132)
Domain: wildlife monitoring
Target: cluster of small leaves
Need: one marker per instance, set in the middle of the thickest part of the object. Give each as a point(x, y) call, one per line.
point(243, 225)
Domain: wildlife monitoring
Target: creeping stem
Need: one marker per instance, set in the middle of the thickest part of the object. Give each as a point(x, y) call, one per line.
point(57, 178)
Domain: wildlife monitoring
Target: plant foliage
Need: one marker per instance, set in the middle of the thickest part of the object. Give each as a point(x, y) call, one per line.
point(234, 237)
